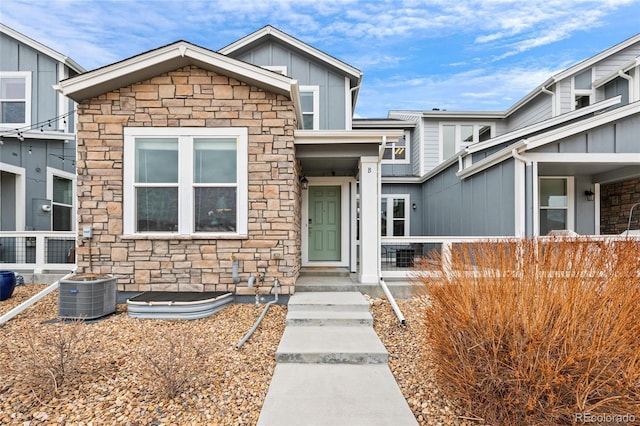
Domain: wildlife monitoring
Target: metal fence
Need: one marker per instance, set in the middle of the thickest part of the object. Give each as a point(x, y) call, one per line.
point(399, 254)
point(37, 251)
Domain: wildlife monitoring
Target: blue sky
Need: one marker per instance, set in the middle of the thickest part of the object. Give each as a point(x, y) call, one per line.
point(462, 55)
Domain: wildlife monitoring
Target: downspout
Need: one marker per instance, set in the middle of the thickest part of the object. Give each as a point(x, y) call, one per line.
point(553, 99)
point(24, 305)
point(631, 87)
point(387, 293)
point(392, 301)
point(264, 312)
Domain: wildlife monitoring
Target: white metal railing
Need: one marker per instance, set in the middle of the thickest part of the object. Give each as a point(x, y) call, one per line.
point(37, 251)
point(397, 253)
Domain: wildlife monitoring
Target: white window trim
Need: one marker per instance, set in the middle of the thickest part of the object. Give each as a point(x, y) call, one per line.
point(392, 145)
point(51, 172)
point(459, 146)
point(570, 202)
point(19, 201)
point(582, 92)
point(407, 212)
point(27, 89)
point(316, 104)
point(185, 137)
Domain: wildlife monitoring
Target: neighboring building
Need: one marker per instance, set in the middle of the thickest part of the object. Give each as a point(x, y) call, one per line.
point(565, 157)
point(190, 160)
point(37, 156)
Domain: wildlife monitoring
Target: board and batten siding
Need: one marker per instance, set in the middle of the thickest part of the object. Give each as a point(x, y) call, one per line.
point(416, 217)
point(16, 56)
point(620, 137)
point(480, 205)
point(332, 87)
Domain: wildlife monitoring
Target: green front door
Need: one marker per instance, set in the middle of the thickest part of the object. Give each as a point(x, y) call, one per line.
point(324, 223)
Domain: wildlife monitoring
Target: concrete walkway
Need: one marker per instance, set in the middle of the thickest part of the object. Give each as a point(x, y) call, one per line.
point(332, 367)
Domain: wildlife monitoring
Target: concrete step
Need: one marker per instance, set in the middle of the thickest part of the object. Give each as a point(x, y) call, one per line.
point(331, 345)
point(324, 272)
point(324, 286)
point(329, 318)
point(334, 394)
point(329, 301)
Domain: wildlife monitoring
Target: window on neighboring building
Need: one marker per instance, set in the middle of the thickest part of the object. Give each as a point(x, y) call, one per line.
point(397, 151)
point(394, 215)
point(556, 204)
point(60, 190)
point(582, 89)
point(310, 104)
point(186, 180)
point(455, 137)
point(15, 102)
point(62, 204)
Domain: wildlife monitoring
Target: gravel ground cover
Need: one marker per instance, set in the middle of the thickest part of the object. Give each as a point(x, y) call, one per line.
point(115, 384)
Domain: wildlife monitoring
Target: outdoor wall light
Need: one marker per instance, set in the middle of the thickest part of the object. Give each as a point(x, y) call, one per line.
point(414, 206)
point(589, 194)
point(304, 182)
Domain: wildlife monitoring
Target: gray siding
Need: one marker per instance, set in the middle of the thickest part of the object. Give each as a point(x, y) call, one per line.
point(308, 73)
point(416, 138)
point(415, 196)
point(535, 111)
point(15, 56)
point(431, 144)
point(619, 137)
point(396, 169)
point(614, 62)
point(563, 92)
point(481, 205)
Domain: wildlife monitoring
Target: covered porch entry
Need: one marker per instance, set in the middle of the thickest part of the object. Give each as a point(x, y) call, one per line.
point(340, 173)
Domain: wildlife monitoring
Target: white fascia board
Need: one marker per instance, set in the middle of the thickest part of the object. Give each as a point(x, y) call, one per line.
point(479, 115)
point(402, 179)
point(592, 157)
point(286, 38)
point(588, 63)
point(147, 61)
point(552, 122)
point(582, 126)
point(305, 137)
point(41, 48)
point(523, 101)
point(382, 123)
point(491, 160)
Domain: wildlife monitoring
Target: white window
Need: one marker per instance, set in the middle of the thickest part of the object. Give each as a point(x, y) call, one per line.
point(397, 151)
point(556, 204)
point(15, 99)
point(582, 89)
point(310, 103)
point(185, 181)
point(61, 192)
point(394, 215)
point(455, 137)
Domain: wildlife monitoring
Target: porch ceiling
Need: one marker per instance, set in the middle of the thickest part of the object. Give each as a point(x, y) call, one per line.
point(600, 173)
point(334, 160)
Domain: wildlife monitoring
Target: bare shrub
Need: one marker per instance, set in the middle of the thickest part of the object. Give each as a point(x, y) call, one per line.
point(45, 357)
point(172, 360)
point(534, 332)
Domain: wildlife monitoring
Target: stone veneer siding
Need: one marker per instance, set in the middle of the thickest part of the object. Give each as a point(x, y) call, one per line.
point(190, 97)
point(616, 202)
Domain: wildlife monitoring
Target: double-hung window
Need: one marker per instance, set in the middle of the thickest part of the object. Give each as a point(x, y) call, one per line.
point(556, 204)
point(397, 151)
point(454, 137)
point(15, 99)
point(186, 181)
point(61, 191)
point(310, 104)
point(394, 215)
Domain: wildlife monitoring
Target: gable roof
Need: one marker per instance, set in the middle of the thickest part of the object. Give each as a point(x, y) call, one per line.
point(270, 32)
point(168, 58)
point(41, 48)
point(580, 66)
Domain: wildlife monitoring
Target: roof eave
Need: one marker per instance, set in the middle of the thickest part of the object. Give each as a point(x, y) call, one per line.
point(165, 59)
